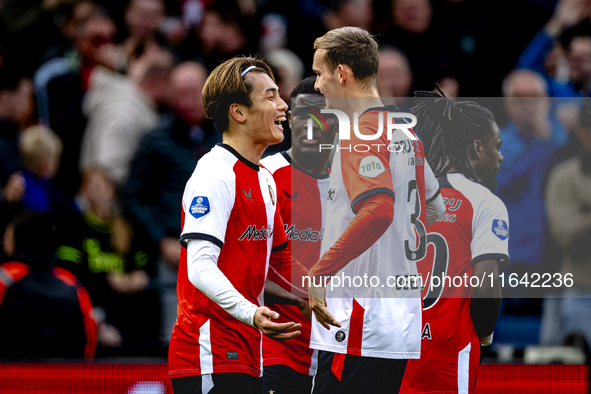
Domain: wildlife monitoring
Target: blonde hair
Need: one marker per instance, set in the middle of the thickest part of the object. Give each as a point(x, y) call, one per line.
point(37, 142)
point(354, 47)
point(226, 86)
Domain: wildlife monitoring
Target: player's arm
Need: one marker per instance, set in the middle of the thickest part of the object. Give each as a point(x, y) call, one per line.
point(490, 245)
point(205, 275)
point(284, 270)
point(486, 303)
point(375, 215)
point(435, 205)
point(277, 295)
point(486, 298)
point(435, 209)
point(368, 181)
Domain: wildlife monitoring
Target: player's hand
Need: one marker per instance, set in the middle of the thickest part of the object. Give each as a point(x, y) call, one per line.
point(281, 331)
point(317, 296)
point(483, 350)
point(485, 344)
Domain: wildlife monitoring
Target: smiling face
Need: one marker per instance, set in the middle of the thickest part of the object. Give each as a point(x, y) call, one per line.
point(268, 110)
point(299, 125)
point(327, 82)
point(488, 165)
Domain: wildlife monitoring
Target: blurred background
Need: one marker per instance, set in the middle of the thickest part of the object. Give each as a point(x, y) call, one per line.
point(102, 123)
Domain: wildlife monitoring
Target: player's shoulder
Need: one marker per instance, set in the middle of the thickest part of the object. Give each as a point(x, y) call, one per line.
point(216, 166)
point(275, 162)
point(479, 196)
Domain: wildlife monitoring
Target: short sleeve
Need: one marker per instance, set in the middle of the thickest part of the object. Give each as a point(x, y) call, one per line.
point(207, 203)
point(366, 174)
point(490, 233)
point(279, 236)
point(431, 185)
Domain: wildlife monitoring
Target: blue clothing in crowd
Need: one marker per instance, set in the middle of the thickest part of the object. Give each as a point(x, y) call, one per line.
point(533, 58)
point(521, 181)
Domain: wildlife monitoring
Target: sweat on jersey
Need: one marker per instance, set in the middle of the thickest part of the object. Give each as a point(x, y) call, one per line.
point(475, 227)
point(232, 203)
point(381, 321)
point(302, 202)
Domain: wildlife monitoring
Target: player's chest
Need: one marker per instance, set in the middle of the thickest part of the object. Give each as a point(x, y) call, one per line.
point(255, 202)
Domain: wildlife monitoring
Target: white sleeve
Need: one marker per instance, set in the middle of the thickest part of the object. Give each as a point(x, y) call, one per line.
point(435, 209)
point(204, 274)
point(490, 232)
point(208, 201)
point(431, 185)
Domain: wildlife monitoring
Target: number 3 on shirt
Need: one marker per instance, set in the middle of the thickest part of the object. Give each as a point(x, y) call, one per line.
point(418, 253)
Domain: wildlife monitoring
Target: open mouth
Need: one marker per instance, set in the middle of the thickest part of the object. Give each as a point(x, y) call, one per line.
point(279, 120)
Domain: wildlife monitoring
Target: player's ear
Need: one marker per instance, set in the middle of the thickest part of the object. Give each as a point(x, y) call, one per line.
point(238, 113)
point(342, 73)
point(476, 149)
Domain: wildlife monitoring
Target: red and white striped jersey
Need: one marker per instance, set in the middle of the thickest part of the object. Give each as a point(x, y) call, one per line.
point(233, 203)
point(475, 227)
point(379, 319)
point(302, 203)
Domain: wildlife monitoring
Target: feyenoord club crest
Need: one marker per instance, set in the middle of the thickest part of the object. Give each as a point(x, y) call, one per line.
point(271, 194)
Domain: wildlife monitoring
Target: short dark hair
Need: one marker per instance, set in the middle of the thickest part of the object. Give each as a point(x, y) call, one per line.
point(35, 232)
point(306, 86)
point(356, 48)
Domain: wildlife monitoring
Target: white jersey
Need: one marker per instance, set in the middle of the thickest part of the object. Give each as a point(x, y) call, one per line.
point(382, 316)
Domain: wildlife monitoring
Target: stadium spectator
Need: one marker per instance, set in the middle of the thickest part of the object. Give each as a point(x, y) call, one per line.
point(530, 140)
point(28, 29)
point(165, 159)
point(568, 202)
point(306, 26)
point(438, 45)
point(34, 188)
point(69, 18)
point(144, 19)
point(121, 110)
point(60, 102)
point(224, 32)
point(15, 107)
point(288, 69)
point(45, 311)
point(394, 76)
point(341, 13)
point(98, 246)
point(575, 39)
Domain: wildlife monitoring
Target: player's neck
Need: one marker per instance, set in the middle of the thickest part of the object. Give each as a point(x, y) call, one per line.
point(313, 164)
point(247, 148)
point(360, 103)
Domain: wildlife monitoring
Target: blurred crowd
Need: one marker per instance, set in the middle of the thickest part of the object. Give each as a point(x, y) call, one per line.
point(102, 123)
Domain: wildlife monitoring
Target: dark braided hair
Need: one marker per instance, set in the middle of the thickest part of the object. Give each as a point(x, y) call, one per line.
point(455, 126)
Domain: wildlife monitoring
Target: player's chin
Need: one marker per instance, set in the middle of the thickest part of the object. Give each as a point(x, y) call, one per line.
point(276, 137)
point(490, 182)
